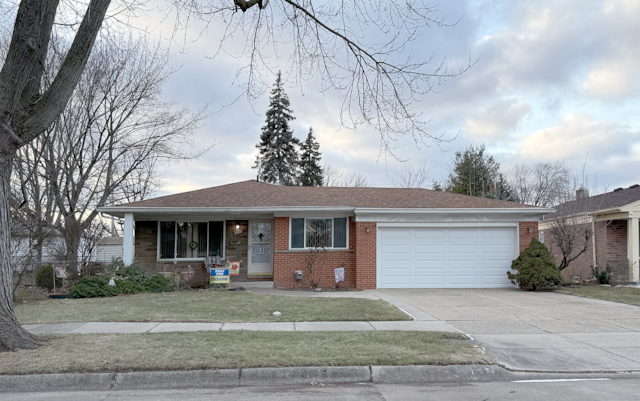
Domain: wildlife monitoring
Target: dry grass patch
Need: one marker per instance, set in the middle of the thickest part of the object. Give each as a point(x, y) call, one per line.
point(206, 306)
point(625, 295)
point(218, 350)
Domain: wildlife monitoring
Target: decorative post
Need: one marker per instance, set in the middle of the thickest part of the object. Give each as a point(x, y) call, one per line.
point(634, 249)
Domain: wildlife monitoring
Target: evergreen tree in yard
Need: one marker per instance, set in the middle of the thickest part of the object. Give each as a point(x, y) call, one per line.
point(277, 160)
point(473, 172)
point(502, 190)
point(310, 171)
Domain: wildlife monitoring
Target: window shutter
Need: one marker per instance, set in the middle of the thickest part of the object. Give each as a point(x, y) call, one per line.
point(297, 233)
point(340, 233)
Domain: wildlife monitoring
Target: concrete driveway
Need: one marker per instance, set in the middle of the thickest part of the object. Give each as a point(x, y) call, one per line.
point(540, 331)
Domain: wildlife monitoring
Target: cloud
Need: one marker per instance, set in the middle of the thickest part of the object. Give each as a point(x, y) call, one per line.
point(497, 119)
point(578, 135)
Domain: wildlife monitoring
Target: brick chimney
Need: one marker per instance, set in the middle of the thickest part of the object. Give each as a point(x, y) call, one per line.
point(582, 193)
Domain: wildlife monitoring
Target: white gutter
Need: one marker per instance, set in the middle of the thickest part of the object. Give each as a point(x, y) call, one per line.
point(522, 210)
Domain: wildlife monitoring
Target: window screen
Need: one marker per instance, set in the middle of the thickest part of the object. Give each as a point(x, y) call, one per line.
point(340, 233)
point(297, 233)
point(167, 239)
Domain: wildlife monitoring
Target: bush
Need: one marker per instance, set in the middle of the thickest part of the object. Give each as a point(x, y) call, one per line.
point(535, 267)
point(159, 283)
point(128, 287)
point(44, 278)
point(92, 287)
point(602, 277)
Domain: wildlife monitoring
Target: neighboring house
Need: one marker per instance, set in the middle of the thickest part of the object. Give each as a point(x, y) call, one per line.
point(107, 249)
point(615, 241)
point(383, 237)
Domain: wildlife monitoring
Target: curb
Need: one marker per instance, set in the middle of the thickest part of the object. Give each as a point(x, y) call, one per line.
point(274, 376)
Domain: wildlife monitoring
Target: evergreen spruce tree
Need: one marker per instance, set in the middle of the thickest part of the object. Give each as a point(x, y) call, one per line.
point(502, 190)
point(310, 171)
point(277, 160)
point(473, 172)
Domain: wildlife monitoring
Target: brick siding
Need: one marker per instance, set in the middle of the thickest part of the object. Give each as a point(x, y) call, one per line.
point(366, 256)
point(525, 235)
point(286, 262)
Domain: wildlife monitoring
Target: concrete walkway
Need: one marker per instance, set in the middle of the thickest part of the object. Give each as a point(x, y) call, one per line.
point(155, 327)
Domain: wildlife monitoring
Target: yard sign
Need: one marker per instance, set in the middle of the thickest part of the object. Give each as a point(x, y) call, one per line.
point(219, 276)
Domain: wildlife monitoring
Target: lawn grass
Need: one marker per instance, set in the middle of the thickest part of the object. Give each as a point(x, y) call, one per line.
point(240, 349)
point(625, 295)
point(205, 306)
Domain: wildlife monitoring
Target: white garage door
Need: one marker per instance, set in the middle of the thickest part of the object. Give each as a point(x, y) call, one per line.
point(445, 257)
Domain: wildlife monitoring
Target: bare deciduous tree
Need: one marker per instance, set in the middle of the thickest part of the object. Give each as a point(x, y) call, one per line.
point(105, 145)
point(334, 177)
point(411, 175)
point(381, 81)
point(541, 184)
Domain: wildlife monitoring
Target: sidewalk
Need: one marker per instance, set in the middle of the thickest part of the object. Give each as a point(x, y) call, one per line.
point(157, 327)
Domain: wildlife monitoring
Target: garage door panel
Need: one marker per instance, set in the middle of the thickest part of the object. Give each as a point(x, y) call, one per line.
point(455, 264)
point(395, 233)
point(431, 234)
point(429, 248)
point(463, 248)
point(430, 280)
point(445, 258)
point(429, 264)
point(395, 249)
point(395, 265)
point(498, 248)
point(506, 234)
point(467, 280)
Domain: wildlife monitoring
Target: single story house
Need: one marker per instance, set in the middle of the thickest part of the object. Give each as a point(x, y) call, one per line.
point(382, 237)
point(615, 241)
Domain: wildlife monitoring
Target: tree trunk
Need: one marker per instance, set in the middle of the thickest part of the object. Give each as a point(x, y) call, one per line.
point(12, 335)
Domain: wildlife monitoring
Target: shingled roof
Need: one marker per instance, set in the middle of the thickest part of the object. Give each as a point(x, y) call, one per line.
point(609, 200)
point(251, 194)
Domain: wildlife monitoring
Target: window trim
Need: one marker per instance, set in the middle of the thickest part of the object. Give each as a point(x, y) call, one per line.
point(333, 227)
point(175, 242)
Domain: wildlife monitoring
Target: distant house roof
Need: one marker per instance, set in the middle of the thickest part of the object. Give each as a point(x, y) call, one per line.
point(248, 194)
point(609, 200)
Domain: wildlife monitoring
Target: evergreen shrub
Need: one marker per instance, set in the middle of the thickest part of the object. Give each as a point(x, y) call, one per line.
point(44, 278)
point(535, 267)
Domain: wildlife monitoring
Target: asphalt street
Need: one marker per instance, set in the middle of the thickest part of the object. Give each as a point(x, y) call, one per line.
point(592, 389)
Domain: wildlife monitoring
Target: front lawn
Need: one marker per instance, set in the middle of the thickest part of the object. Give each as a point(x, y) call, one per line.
point(219, 350)
point(205, 306)
point(625, 295)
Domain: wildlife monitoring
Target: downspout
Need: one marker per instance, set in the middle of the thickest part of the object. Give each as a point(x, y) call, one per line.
point(593, 239)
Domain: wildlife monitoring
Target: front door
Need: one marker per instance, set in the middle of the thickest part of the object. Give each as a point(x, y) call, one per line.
point(260, 248)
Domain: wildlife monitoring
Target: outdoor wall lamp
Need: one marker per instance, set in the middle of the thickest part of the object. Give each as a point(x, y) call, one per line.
point(237, 226)
point(368, 229)
point(529, 230)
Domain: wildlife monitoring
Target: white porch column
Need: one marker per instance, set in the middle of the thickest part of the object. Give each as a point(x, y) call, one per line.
point(127, 240)
point(633, 249)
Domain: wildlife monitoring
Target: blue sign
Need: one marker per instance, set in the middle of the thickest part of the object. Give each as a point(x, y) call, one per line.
point(219, 276)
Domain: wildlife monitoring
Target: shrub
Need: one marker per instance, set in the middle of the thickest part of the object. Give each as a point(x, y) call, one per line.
point(93, 286)
point(135, 274)
point(602, 277)
point(535, 267)
point(159, 283)
point(44, 278)
point(128, 287)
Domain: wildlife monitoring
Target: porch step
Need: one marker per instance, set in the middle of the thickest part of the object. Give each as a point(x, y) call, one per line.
point(251, 284)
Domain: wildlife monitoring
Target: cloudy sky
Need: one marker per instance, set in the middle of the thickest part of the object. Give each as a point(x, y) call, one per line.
point(554, 80)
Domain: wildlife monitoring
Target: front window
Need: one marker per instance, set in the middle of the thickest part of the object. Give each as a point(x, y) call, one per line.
point(318, 233)
point(191, 240)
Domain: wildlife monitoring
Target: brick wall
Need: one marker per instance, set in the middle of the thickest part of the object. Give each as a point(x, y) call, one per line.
point(365, 256)
point(525, 235)
point(286, 262)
